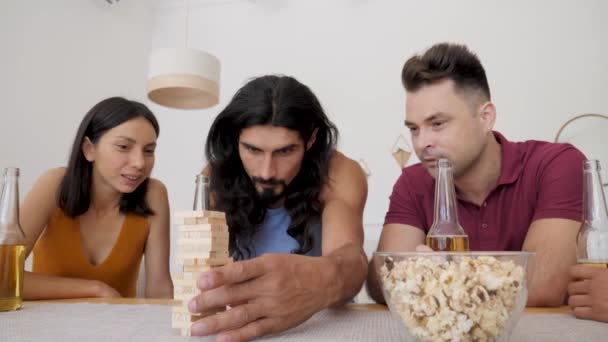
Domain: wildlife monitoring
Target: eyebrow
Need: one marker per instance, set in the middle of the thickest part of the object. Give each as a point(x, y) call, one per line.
point(131, 140)
point(434, 116)
point(284, 148)
point(125, 138)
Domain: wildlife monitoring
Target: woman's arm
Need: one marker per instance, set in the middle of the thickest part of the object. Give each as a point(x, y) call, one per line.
point(35, 213)
point(41, 286)
point(39, 205)
point(158, 276)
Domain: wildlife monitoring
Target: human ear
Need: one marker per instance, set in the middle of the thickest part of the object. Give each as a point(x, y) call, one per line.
point(88, 149)
point(487, 115)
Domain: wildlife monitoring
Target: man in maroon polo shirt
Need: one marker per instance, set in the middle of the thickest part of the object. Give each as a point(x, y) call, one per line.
point(511, 195)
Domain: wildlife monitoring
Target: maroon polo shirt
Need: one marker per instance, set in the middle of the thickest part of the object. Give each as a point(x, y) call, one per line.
point(537, 180)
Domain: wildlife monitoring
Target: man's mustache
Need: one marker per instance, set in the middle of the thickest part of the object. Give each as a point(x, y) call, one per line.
point(426, 155)
point(270, 181)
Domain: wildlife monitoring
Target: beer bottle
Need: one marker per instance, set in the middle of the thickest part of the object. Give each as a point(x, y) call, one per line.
point(446, 234)
point(12, 244)
point(592, 238)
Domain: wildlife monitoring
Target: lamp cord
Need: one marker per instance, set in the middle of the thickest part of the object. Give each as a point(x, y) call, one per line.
point(589, 115)
point(559, 132)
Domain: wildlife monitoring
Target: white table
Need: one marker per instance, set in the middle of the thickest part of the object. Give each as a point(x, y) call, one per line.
point(150, 320)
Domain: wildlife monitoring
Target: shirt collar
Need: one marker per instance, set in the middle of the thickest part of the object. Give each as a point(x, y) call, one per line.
point(511, 156)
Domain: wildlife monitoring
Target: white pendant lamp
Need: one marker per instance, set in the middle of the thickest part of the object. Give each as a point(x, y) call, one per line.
point(183, 78)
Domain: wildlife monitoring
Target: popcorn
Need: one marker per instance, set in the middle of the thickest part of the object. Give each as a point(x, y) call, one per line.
point(469, 299)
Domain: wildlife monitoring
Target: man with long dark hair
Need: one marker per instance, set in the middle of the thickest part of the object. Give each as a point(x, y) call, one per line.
point(294, 207)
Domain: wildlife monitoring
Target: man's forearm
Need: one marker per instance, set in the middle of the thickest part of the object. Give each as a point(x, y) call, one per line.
point(547, 281)
point(553, 241)
point(345, 273)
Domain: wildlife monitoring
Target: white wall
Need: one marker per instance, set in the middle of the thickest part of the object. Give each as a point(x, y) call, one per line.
point(546, 61)
point(58, 59)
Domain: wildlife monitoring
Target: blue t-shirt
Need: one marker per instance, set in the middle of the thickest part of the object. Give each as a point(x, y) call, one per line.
point(272, 236)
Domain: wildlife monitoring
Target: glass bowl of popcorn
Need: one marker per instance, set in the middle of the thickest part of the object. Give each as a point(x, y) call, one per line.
point(455, 296)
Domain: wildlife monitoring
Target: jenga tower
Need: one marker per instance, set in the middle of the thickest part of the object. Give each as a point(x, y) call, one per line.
point(202, 242)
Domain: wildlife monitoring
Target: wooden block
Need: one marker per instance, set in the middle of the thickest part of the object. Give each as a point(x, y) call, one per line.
point(220, 254)
point(200, 250)
point(203, 225)
point(213, 241)
point(182, 292)
point(179, 279)
point(184, 310)
point(184, 320)
point(181, 325)
point(204, 259)
point(185, 260)
point(179, 316)
point(196, 272)
point(199, 220)
point(193, 275)
point(199, 217)
point(200, 253)
point(203, 234)
point(181, 320)
point(193, 272)
point(187, 289)
point(184, 289)
point(183, 297)
point(200, 258)
point(200, 213)
point(194, 264)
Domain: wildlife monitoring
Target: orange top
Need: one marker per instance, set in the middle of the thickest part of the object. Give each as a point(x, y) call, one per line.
point(59, 252)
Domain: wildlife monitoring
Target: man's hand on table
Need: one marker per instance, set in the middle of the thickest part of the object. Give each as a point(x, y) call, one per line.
point(267, 295)
point(588, 290)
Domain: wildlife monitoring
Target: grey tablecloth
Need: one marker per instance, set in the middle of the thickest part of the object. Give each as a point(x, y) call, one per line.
point(104, 322)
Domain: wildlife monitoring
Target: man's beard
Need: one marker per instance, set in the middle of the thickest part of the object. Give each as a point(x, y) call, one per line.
point(267, 196)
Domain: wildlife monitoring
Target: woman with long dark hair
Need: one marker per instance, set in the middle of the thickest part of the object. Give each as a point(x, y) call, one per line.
point(90, 223)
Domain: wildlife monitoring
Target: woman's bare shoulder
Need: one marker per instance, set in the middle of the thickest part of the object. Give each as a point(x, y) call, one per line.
point(50, 180)
point(157, 196)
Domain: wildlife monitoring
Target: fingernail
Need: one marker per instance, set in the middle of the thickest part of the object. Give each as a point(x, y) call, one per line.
point(223, 338)
point(199, 328)
point(192, 305)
